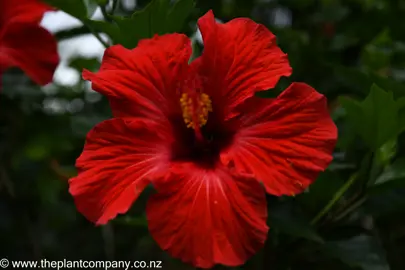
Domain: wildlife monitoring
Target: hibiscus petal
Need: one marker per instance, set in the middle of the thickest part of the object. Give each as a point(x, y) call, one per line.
point(118, 161)
point(143, 81)
point(239, 58)
point(31, 48)
point(24, 11)
point(208, 216)
point(286, 142)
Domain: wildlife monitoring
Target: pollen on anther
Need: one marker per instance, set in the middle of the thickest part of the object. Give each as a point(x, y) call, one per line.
point(200, 107)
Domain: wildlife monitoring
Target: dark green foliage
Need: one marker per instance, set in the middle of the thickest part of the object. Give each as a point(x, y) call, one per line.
point(351, 218)
point(377, 118)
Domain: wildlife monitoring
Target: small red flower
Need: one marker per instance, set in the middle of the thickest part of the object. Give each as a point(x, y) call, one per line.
point(24, 43)
point(199, 135)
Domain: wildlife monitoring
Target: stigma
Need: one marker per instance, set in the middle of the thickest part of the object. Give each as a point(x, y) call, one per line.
point(196, 109)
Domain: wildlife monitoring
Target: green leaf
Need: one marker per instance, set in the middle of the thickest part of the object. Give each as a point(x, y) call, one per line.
point(320, 192)
point(285, 218)
point(353, 78)
point(387, 195)
point(386, 199)
point(91, 6)
point(389, 84)
point(178, 14)
point(378, 53)
point(394, 171)
point(76, 8)
point(109, 29)
point(386, 152)
point(87, 63)
point(155, 18)
point(137, 28)
point(386, 187)
point(361, 251)
point(377, 118)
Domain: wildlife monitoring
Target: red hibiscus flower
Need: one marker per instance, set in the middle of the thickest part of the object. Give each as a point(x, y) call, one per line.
point(24, 43)
point(197, 133)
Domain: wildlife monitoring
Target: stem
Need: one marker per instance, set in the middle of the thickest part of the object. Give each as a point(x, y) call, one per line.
point(375, 170)
point(350, 201)
point(114, 6)
point(96, 34)
point(105, 13)
point(350, 209)
point(363, 173)
point(334, 199)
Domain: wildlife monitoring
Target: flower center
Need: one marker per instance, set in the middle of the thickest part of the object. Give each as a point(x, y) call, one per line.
point(195, 110)
point(200, 139)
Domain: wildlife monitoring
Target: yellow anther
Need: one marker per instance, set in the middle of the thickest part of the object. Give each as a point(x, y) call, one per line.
point(203, 108)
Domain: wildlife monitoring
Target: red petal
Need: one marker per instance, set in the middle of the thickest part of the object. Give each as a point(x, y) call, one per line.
point(31, 48)
point(143, 81)
point(208, 217)
point(24, 11)
point(285, 143)
point(117, 163)
point(239, 58)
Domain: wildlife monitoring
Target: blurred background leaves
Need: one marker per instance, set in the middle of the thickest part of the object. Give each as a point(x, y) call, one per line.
point(353, 51)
